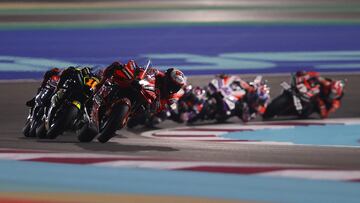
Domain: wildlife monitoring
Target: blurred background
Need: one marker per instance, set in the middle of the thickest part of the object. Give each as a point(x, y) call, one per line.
point(200, 36)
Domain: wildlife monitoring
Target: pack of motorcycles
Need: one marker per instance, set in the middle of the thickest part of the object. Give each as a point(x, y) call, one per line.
point(112, 108)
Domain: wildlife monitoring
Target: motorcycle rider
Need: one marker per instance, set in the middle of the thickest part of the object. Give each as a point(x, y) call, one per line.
point(190, 105)
point(232, 86)
point(330, 96)
point(308, 83)
point(166, 85)
point(50, 78)
point(329, 92)
point(82, 76)
point(41, 101)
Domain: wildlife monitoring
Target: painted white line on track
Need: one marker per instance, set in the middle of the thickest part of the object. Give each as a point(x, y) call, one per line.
point(316, 174)
point(215, 132)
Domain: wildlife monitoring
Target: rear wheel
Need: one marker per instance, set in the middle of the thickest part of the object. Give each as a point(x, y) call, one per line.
point(277, 107)
point(116, 120)
point(62, 121)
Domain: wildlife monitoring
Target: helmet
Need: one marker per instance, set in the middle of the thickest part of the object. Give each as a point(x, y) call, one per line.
point(263, 92)
point(175, 79)
point(337, 89)
point(300, 73)
point(198, 91)
point(86, 71)
point(99, 73)
point(55, 71)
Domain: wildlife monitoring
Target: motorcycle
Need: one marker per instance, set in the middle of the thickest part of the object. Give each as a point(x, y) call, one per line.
point(230, 98)
point(39, 109)
point(224, 94)
point(254, 102)
point(191, 106)
point(291, 102)
point(72, 113)
point(115, 103)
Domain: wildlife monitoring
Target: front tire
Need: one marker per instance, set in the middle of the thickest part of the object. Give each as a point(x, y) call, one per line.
point(63, 121)
point(277, 107)
point(116, 120)
point(41, 131)
point(26, 128)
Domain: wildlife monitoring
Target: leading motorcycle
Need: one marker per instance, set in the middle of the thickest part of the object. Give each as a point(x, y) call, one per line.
point(115, 103)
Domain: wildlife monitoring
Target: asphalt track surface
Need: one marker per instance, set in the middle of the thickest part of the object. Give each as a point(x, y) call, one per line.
point(130, 143)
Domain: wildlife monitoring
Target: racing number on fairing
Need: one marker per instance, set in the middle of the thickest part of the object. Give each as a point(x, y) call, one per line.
point(297, 103)
point(91, 82)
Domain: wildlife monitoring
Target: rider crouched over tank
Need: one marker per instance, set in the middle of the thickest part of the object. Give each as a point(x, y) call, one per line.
point(41, 102)
point(307, 93)
point(233, 96)
point(69, 106)
point(189, 108)
point(128, 94)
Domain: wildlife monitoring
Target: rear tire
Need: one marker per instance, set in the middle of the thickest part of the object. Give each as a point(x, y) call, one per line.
point(279, 105)
point(118, 114)
point(63, 121)
point(41, 131)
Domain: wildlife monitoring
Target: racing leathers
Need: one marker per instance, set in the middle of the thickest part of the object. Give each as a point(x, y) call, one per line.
point(50, 79)
point(328, 92)
point(330, 96)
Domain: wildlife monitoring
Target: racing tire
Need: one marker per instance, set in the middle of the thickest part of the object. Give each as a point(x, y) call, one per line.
point(118, 115)
point(87, 132)
point(61, 123)
point(277, 107)
point(41, 131)
point(26, 129)
point(32, 131)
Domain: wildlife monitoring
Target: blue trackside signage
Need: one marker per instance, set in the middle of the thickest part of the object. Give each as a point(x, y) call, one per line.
point(197, 50)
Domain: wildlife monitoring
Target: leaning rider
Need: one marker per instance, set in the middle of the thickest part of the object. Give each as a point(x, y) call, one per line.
point(82, 76)
point(166, 84)
point(50, 79)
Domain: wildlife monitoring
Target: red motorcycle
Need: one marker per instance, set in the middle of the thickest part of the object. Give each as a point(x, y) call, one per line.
point(122, 96)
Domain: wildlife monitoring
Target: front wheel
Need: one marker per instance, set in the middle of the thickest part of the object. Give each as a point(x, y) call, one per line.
point(26, 128)
point(33, 128)
point(62, 121)
point(277, 107)
point(41, 131)
point(115, 121)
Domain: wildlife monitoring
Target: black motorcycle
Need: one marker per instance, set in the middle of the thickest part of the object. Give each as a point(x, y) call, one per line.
point(70, 113)
point(292, 102)
point(37, 111)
